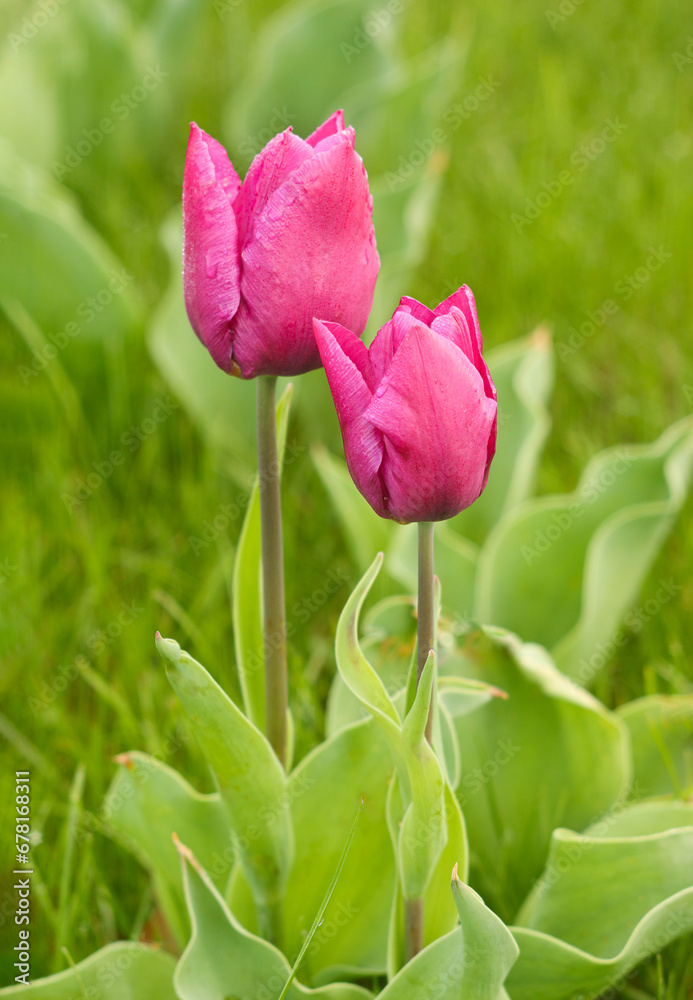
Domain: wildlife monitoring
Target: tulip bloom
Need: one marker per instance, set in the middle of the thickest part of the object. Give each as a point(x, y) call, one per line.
point(262, 257)
point(417, 409)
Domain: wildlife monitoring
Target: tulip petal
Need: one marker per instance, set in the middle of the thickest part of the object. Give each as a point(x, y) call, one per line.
point(417, 309)
point(436, 419)
point(311, 253)
point(345, 360)
point(463, 299)
point(211, 263)
point(335, 123)
point(387, 342)
point(267, 172)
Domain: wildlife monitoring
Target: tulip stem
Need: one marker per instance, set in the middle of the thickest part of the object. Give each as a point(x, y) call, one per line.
point(413, 927)
point(425, 609)
point(274, 619)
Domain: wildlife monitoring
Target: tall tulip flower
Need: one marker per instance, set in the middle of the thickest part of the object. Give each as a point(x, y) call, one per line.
point(417, 409)
point(294, 240)
point(260, 258)
point(418, 416)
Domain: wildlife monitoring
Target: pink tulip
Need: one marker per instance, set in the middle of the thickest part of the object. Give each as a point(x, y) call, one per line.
point(417, 409)
point(293, 241)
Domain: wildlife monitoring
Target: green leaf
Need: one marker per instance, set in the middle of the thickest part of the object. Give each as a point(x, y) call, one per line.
point(661, 729)
point(329, 783)
point(56, 265)
point(471, 961)
point(549, 743)
point(148, 802)
point(602, 906)
point(356, 671)
point(128, 970)
point(247, 591)
point(440, 913)
point(564, 570)
point(423, 830)
point(523, 373)
point(320, 915)
point(250, 778)
point(224, 962)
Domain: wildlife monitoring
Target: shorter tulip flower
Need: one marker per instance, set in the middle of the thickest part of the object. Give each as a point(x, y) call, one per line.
point(417, 409)
point(262, 257)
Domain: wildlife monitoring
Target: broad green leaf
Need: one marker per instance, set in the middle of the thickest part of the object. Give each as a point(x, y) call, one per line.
point(247, 592)
point(523, 373)
point(549, 743)
point(602, 906)
point(328, 784)
point(305, 57)
point(224, 961)
point(661, 729)
point(455, 566)
point(365, 532)
point(56, 265)
point(470, 962)
point(128, 970)
point(641, 818)
point(148, 802)
point(564, 570)
point(356, 671)
point(250, 778)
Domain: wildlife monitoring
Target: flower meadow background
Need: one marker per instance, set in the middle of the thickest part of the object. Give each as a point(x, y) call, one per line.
point(540, 153)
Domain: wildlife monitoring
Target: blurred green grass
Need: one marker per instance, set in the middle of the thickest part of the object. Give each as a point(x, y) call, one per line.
point(65, 575)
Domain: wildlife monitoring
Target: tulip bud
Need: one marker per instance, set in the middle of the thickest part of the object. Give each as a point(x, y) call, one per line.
point(417, 409)
point(262, 257)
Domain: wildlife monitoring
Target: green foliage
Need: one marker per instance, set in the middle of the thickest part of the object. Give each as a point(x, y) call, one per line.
point(248, 774)
point(66, 574)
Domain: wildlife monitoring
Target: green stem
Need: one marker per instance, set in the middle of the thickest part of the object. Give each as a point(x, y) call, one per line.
point(274, 623)
point(414, 908)
point(413, 927)
point(425, 608)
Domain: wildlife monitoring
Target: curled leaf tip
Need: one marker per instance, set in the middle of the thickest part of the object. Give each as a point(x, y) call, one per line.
point(454, 878)
point(499, 693)
point(125, 759)
point(169, 648)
